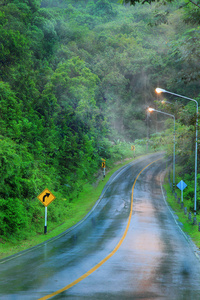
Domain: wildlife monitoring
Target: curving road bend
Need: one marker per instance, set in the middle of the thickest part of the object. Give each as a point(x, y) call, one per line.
point(131, 232)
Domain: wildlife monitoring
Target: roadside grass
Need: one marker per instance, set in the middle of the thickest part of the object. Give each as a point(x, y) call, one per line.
point(186, 225)
point(79, 209)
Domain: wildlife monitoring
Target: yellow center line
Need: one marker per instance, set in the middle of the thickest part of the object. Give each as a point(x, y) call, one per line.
point(107, 257)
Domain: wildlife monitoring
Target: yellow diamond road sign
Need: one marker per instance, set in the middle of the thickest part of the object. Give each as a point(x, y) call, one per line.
point(46, 197)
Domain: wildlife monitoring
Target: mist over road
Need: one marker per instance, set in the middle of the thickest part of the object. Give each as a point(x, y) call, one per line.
point(153, 259)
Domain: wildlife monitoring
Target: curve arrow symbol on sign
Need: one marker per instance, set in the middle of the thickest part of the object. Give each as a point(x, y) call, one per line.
point(47, 195)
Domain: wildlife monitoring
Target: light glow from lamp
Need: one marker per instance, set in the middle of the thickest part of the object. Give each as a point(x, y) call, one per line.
point(151, 109)
point(159, 90)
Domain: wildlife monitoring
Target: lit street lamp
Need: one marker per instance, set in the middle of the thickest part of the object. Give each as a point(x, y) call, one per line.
point(150, 109)
point(159, 90)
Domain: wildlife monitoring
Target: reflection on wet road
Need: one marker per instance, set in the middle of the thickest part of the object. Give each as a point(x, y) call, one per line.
point(155, 261)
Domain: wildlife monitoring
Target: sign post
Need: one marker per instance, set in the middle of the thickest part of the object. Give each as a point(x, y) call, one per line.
point(46, 197)
point(45, 222)
point(181, 185)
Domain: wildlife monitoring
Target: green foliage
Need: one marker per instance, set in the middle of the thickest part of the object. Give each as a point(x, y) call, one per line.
point(13, 217)
point(10, 109)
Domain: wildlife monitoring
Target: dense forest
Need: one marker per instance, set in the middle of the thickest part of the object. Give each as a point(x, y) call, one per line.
point(76, 78)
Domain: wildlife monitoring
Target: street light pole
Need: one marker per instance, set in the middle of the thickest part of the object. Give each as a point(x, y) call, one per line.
point(152, 109)
point(159, 90)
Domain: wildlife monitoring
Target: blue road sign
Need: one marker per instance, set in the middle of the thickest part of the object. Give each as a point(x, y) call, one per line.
point(181, 185)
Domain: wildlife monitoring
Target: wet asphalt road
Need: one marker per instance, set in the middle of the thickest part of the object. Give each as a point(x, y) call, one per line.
point(154, 261)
